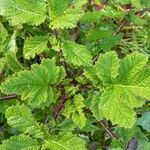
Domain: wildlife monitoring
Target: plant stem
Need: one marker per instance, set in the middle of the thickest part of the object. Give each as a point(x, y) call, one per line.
point(8, 97)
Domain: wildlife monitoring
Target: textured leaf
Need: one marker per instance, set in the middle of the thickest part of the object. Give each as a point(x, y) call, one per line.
point(20, 142)
point(75, 111)
point(107, 66)
point(127, 91)
point(66, 141)
point(20, 118)
point(34, 85)
point(77, 54)
point(34, 45)
point(114, 108)
point(65, 14)
point(19, 12)
point(144, 121)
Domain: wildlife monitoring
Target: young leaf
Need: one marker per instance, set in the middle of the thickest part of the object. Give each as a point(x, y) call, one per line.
point(75, 111)
point(34, 85)
point(34, 45)
point(77, 54)
point(65, 14)
point(19, 142)
point(65, 141)
point(19, 12)
point(20, 117)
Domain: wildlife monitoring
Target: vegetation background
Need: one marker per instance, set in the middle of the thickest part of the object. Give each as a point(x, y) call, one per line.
point(75, 74)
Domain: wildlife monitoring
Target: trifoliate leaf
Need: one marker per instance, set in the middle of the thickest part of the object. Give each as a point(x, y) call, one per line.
point(144, 121)
point(34, 45)
point(107, 66)
point(20, 117)
point(19, 12)
point(65, 141)
point(76, 54)
point(65, 14)
point(20, 142)
point(34, 85)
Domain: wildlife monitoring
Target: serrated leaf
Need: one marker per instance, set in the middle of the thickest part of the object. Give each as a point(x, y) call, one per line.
point(19, 12)
point(34, 85)
point(65, 14)
point(34, 45)
point(20, 117)
point(77, 54)
point(129, 90)
point(107, 66)
point(144, 121)
point(75, 111)
point(19, 142)
point(66, 141)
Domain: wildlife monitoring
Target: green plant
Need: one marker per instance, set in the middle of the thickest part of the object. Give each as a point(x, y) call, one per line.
point(74, 74)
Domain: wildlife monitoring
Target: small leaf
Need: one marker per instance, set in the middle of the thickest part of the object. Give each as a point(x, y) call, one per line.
point(65, 14)
point(65, 141)
point(77, 54)
point(107, 66)
point(19, 142)
point(144, 121)
point(19, 12)
point(21, 118)
point(34, 45)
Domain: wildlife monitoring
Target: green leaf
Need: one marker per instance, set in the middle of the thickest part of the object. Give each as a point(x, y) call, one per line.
point(129, 90)
point(113, 106)
point(77, 54)
point(75, 111)
point(144, 121)
point(19, 142)
point(13, 63)
point(65, 14)
point(130, 67)
point(34, 45)
point(20, 117)
point(34, 85)
point(107, 66)
point(65, 141)
point(3, 33)
point(19, 12)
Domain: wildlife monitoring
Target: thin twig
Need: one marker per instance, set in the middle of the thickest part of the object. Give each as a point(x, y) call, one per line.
point(60, 106)
point(109, 132)
point(8, 97)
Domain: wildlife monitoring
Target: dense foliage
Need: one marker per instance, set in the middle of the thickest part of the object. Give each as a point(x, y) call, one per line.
point(75, 74)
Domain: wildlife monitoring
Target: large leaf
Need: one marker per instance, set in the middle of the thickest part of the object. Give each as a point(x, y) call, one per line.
point(34, 45)
point(129, 90)
point(66, 141)
point(19, 142)
point(65, 14)
point(20, 118)
point(77, 54)
point(35, 85)
point(18, 11)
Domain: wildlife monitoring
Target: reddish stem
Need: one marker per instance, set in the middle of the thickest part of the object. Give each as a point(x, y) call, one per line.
point(60, 107)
